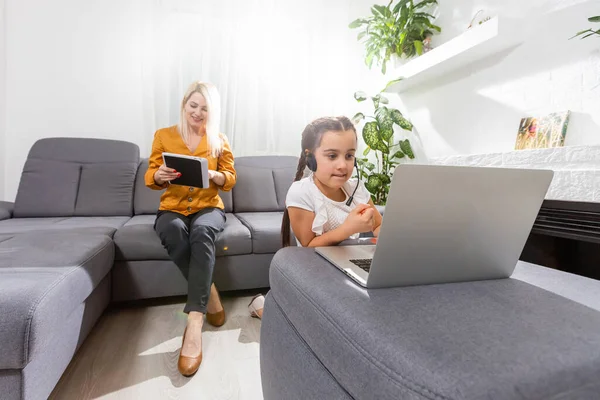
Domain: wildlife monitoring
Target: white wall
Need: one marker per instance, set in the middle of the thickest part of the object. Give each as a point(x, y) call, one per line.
point(2, 100)
point(80, 68)
point(72, 69)
point(478, 109)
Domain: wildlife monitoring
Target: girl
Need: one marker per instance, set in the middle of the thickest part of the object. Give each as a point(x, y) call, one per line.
point(327, 207)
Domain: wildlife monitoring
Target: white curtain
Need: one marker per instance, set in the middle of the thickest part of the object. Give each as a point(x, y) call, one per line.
point(277, 65)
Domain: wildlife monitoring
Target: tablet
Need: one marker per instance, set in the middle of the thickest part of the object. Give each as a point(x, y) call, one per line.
point(194, 170)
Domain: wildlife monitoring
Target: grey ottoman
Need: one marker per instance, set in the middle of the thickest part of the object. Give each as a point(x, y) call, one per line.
point(323, 337)
point(53, 288)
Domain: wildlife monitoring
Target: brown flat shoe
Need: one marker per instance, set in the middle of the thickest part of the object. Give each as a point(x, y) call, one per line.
point(216, 319)
point(188, 366)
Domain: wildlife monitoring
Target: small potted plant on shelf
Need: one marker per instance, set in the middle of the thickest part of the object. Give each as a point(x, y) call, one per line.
point(399, 30)
point(378, 135)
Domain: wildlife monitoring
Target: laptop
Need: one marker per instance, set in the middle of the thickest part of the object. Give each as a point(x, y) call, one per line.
point(447, 224)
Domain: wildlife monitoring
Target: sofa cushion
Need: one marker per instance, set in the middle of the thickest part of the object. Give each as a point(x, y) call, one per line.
point(263, 182)
point(47, 189)
point(265, 228)
point(77, 176)
point(105, 189)
point(96, 225)
point(43, 278)
point(496, 339)
point(146, 200)
point(137, 240)
point(6, 210)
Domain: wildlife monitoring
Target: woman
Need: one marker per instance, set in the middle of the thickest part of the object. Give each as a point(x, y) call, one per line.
point(189, 219)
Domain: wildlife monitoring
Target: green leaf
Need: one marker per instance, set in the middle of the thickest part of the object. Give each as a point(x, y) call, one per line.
point(425, 3)
point(378, 10)
point(383, 99)
point(580, 33)
point(435, 27)
point(369, 59)
point(398, 154)
point(356, 23)
point(358, 117)
point(373, 183)
point(385, 179)
point(400, 120)
point(361, 35)
point(360, 96)
point(591, 34)
point(594, 19)
point(390, 83)
point(371, 137)
point(386, 124)
point(367, 151)
point(375, 102)
point(418, 46)
point(407, 148)
point(370, 166)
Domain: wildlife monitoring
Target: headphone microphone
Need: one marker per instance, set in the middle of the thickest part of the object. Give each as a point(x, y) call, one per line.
point(349, 202)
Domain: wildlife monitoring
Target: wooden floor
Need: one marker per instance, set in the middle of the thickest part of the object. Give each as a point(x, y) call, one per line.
point(132, 354)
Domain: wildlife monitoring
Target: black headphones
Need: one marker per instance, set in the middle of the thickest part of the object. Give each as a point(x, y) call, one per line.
point(311, 163)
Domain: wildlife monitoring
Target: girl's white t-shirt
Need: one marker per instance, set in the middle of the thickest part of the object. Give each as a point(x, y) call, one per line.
point(329, 214)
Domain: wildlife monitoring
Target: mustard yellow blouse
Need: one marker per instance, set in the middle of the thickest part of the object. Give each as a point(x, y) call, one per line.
point(182, 199)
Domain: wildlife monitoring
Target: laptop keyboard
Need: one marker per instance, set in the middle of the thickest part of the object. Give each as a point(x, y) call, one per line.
point(363, 263)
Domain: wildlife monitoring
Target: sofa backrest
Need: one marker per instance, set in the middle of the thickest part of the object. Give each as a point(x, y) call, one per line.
point(65, 177)
point(263, 182)
point(146, 200)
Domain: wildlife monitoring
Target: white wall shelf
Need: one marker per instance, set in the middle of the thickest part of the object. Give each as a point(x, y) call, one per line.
point(481, 41)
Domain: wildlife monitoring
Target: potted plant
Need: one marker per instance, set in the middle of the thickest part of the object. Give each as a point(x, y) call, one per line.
point(589, 32)
point(399, 30)
point(378, 135)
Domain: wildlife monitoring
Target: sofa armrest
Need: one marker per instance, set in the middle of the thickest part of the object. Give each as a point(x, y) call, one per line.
point(6, 210)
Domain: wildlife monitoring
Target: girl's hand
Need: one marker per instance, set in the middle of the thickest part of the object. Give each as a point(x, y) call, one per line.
point(165, 174)
point(359, 220)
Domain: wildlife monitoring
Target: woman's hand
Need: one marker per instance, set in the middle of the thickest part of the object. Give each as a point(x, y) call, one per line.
point(359, 220)
point(165, 174)
point(217, 177)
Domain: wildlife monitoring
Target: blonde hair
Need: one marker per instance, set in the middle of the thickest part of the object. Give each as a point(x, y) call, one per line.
point(213, 122)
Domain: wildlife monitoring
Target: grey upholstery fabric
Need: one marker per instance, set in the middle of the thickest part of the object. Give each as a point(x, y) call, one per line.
point(61, 343)
point(262, 182)
point(265, 228)
point(76, 176)
point(10, 383)
point(146, 200)
point(6, 210)
point(106, 189)
point(43, 278)
point(283, 179)
point(135, 280)
point(137, 240)
point(47, 189)
point(500, 339)
point(583, 290)
point(94, 225)
point(304, 377)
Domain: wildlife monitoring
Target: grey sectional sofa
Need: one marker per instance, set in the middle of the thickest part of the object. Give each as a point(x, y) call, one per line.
point(80, 235)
